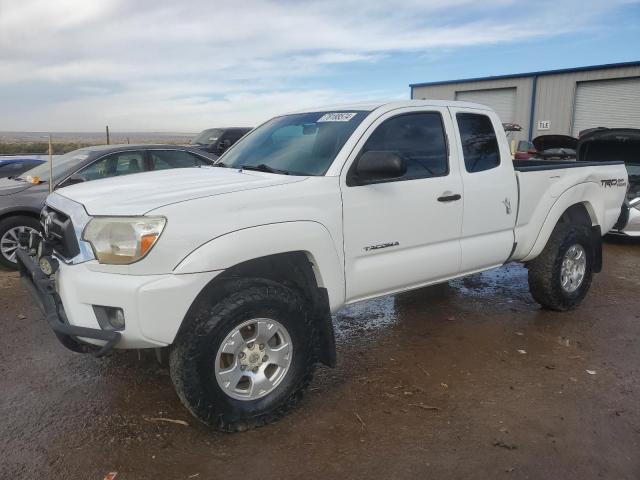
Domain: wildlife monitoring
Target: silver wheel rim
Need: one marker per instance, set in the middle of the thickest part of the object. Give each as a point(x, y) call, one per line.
point(253, 359)
point(9, 241)
point(574, 264)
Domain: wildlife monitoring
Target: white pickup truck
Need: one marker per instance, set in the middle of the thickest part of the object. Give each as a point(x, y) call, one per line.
point(237, 268)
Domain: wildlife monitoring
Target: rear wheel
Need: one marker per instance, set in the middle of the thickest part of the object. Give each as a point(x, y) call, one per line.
point(244, 361)
point(560, 277)
point(10, 230)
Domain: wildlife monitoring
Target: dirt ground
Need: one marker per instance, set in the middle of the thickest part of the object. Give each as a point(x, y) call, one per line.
point(465, 380)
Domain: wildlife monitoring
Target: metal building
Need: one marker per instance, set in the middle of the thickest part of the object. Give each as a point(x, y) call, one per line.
point(562, 102)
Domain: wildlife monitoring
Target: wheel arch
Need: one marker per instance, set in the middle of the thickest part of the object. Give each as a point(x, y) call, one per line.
point(579, 205)
point(268, 252)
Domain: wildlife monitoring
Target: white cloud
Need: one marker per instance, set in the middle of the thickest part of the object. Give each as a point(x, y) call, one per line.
point(162, 64)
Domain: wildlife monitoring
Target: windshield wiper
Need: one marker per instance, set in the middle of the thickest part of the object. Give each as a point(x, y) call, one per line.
point(264, 168)
point(221, 164)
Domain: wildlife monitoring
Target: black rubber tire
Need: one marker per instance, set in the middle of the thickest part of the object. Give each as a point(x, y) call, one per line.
point(12, 222)
point(544, 270)
point(192, 356)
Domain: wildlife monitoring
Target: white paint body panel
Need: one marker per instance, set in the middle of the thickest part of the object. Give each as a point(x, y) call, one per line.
point(487, 226)
point(218, 218)
point(407, 213)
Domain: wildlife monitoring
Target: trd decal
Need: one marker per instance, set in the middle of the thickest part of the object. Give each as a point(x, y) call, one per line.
point(382, 245)
point(614, 182)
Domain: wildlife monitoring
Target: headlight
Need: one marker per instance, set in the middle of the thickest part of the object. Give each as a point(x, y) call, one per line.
point(123, 240)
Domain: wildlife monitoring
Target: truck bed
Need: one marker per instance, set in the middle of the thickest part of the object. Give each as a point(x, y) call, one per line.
point(537, 165)
point(542, 183)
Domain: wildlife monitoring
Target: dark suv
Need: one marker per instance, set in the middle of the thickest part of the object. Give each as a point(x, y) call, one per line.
point(22, 197)
point(217, 140)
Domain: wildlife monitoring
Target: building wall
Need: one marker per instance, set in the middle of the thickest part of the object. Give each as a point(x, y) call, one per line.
point(522, 85)
point(555, 96)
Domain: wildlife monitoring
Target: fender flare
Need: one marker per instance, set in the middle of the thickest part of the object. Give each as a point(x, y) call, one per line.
point(312, 238)
point(583, 193)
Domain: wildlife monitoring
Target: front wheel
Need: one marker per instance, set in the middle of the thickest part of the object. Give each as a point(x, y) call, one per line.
point(560, 277)
point(244, 361)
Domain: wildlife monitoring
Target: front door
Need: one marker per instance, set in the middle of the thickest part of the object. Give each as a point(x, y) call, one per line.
point(405, 232)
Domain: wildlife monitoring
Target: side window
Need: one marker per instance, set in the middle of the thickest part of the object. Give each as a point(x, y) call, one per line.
point(419, 139)
point(116, 164)
point(166, 159)
point(479, 142)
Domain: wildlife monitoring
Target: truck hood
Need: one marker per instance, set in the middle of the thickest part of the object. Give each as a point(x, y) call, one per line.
point(9, 187)
point(548, 142)
point(140, 193)
point(609, 144)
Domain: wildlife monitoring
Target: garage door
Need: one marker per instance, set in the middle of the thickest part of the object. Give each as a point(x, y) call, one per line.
point(607, 103)
point(502, 100)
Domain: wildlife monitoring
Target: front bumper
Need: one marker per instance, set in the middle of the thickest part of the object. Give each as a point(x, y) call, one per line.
point(43, 289)
point(154, 306)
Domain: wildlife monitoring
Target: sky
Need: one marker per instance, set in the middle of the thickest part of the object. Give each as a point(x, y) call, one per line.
point(182, 66)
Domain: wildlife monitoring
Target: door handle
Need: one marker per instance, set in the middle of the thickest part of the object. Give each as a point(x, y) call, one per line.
point(450, 198)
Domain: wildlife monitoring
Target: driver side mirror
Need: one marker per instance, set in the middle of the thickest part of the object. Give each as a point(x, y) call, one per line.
point(377, 166)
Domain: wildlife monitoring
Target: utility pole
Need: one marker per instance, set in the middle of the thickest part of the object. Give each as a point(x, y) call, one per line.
point(108, 135)
point(50, 165)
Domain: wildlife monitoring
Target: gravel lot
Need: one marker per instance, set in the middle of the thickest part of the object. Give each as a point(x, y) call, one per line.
point(466, 380)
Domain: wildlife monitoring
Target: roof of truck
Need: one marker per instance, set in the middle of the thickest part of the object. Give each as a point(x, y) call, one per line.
point(391, 105)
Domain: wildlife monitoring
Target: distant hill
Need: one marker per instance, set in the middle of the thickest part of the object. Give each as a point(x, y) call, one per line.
point(97, 137)
point(12, 143)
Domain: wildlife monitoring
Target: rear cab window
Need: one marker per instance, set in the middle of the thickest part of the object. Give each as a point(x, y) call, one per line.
point(479, 142)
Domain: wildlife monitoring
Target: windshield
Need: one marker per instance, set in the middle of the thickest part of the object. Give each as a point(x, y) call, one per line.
point(300, 144)
point(61, 165)
point(207, 137)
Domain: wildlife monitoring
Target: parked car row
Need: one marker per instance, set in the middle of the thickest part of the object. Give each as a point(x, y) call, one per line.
point(25, 183)
point(22, 196)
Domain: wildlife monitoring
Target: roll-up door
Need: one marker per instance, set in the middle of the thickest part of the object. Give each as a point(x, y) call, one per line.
point(502, 100)
point(607, 103)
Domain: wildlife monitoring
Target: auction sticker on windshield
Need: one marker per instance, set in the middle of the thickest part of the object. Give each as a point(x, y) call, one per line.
point(336, 117)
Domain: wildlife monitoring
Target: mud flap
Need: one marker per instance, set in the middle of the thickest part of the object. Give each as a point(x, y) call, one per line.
point(596, 242)
point(326, 350)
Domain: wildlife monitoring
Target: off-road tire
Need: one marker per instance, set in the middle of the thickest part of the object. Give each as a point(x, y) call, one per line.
point(12, 222)
point(192, 357)
point(544, 270)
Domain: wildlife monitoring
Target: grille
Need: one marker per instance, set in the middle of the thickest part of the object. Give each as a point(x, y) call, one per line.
point(59, 232)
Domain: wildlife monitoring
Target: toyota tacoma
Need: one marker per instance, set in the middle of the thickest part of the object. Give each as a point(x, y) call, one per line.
point(236, 269)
